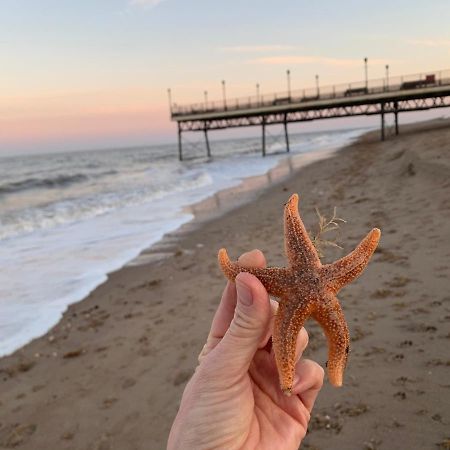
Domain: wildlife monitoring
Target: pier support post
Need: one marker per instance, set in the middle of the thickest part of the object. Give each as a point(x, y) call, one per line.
point(382, 122)
point(180, 150)
point(208, 149)
point(396, 117)
point(286, 135)
point(264, 136)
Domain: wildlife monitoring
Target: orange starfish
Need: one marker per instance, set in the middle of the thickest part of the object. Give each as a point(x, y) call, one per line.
point(307, 288)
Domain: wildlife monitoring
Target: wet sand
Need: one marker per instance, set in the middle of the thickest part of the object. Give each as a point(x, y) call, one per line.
point(110, 374)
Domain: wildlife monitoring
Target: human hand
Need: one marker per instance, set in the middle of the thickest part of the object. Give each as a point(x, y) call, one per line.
point(233, 400)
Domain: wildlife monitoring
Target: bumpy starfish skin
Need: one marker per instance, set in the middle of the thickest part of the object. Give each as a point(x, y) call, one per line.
point(307, 288)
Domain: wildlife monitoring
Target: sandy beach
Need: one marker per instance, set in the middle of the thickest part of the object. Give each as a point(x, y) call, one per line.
point(110, 374)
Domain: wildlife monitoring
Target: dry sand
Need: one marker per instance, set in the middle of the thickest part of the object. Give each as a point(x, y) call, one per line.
point(111, 373)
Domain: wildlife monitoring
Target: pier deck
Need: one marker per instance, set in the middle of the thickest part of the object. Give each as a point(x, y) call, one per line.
point(401, 94)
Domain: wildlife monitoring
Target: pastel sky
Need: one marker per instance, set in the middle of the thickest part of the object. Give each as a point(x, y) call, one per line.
point(80, 74)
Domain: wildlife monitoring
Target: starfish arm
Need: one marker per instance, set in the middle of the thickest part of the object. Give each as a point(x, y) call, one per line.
point(345, 270)
point(274, 279)
point(331, 318)
point(299, 249)
point(290, 317)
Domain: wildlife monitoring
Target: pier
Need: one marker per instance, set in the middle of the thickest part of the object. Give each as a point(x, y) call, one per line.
point(383, 96)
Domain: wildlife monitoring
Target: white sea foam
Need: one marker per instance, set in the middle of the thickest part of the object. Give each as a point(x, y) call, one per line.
point(59, 242)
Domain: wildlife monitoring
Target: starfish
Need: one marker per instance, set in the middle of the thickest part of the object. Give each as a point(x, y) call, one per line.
point(307, 288)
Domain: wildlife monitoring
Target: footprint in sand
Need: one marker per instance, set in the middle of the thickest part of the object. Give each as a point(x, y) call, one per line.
point(420, 310)
point(14, 369)
point(358, 333)
point(12, 436)
point(395, 357)
point(387, 293)
point(399, 281)
point(438, 362)
point(382, 293)
point(37, 387)
point(109, 402)
point(404, 381)
point(420, 328)
point(399, 306)
point(400, 395)
point(384, 255)
point(128, 383)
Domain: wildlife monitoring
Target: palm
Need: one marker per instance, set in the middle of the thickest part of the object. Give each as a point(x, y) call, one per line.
point(269, 419)
point(250, 412)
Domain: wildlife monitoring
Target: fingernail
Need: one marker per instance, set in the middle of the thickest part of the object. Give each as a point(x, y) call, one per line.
point(244, 293)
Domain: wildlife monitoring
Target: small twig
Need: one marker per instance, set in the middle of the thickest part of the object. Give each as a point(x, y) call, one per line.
point(325, 226)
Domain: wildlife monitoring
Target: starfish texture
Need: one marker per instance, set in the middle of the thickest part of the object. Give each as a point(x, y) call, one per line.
point(307, 288)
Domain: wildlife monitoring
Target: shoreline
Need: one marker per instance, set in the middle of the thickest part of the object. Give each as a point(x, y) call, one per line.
point(226, 200)
point(110, 373)
point(149, 244)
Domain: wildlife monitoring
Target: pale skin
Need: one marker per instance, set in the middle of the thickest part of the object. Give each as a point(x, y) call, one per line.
point(234, 400)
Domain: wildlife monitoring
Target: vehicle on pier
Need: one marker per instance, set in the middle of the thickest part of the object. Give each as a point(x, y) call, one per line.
point(282, 101)
point(356, 91)
point(310, 98)
point(414, 84)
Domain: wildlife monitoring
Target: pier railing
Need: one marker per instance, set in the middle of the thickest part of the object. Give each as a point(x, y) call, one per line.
point(344, 90)
point(382, 96)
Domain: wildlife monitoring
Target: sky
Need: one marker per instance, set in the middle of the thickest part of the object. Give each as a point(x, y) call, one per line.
point(80, 74)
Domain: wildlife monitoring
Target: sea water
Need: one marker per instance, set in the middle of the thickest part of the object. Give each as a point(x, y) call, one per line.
point(68, 219)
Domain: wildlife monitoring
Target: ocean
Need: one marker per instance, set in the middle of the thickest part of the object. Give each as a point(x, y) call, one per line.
point(68, 219)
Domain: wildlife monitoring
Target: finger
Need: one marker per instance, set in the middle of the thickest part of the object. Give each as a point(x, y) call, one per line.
point(301, 344)
point(254, 258)
point(221, 320)
point(266, 341)
point(308, 381)
point(225, 311)
point(248, 327)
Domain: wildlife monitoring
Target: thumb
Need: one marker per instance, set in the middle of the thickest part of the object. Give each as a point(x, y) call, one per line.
point(249, 324)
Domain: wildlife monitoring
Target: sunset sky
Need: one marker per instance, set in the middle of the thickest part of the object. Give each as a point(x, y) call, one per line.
point(79, 74)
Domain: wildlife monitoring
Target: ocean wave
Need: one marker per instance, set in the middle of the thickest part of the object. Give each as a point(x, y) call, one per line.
point(57, 181)
point(41, 183)
point(20, 222)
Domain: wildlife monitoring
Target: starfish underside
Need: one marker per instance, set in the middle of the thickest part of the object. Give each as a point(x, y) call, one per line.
point(307, 288)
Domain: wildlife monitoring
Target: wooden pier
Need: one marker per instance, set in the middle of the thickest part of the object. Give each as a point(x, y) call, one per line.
point(382, 96)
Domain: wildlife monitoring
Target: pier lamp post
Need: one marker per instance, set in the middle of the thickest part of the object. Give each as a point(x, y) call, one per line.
point(387, 76)
point(224, 95)
point(365, 73)
point(257, 93)
point(317, 86)
point(288, 75)
point(206, 99)
point(169, 94)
